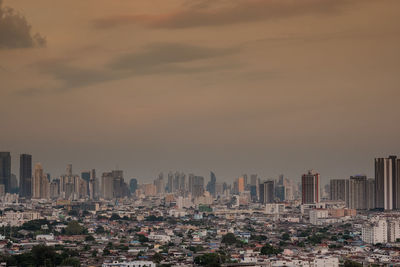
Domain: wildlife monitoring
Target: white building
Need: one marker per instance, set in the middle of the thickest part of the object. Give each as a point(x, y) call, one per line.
point(274, 208)
point(317, 214)
point(130, 264)
point(376, 232)
point(49, 237)
point(393, 230)
point(327, 262)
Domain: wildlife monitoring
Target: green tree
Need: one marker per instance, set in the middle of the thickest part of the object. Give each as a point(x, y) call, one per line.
point(229, 239)
point(74, 228)
point(74, 262)
point(268, 249)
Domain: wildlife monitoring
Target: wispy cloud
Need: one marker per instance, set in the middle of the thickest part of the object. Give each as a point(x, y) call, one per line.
point(15, 31)
point(203, 13)
point(159, 58)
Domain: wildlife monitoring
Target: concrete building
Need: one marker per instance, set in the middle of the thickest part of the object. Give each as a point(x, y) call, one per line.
point(387, 183)
point(338, 189)
point(375, 232)
point(5, 170)
point(310, 187)
point(267, 192)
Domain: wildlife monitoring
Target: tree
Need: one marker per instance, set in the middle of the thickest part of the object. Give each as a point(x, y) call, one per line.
point(157, 257)
point(268, 249)
point(74, 228)
point(285, 237)
point(210, 259)
point(349, 263)
point(229, 239)
point(74, 262)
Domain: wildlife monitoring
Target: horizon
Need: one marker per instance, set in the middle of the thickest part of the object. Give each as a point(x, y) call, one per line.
point(246, 86)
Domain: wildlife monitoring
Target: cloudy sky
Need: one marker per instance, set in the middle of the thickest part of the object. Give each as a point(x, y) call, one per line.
point(233, 86)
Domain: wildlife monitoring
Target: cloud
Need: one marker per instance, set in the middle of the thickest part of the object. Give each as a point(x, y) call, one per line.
point(167, 57)
point(204, 13)
point(159, 58)
point(15, 31)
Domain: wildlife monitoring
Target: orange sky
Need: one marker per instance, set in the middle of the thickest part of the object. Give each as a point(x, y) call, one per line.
point(234, 86)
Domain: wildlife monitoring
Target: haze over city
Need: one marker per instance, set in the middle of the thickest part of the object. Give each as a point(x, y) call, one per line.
point(247, 86)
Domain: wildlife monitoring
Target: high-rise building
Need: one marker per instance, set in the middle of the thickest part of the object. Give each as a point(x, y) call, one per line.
point(212, 184)
point(25, 176)
point(40, 183)
point(370, 194)
point(310, 187)
point(5, 170)
point(338, 189)
point(133, 185)
point(267, 192)
point(241, 184)
point(107, 185)
point(198, 186)
point(387, 183)
point(357, 198)
point(159, 184)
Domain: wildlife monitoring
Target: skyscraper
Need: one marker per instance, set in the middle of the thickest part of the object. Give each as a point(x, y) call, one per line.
point(5, 170)
point(212, 184)
point(310, 187)
point(133, 185)
point(387, 183)
point(357, 198)
point(40, 183)
point(198, 186)
point(338, 189)
point(267, 192)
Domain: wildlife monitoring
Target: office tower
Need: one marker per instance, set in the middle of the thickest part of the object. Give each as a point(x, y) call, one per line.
point(71, 185)
point(267, 192)
point(198, 186)
point(338, 190)
point(13, 184)
point(387, 183)
point(253, 187)
point(5, 170)
point(120, 189)
point(159, 184)
point(85, 176)
point(357, 198)
point(93, 185)
point(241, 184)
point(55, 189)
point(107, 184)
point(212, 184)
point(40, 183)
point(310, 187)
point(370, 193)
point(25, 176)
point(170, 184)
point(133, 185)
point(280, 192)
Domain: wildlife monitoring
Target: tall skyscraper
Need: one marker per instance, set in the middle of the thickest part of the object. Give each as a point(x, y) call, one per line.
point(40, 183)
point(370, 193)
point(338, 189)
point(387, 183)
point(357, 198)
point(310, 187)
point(5, 170)
point(133, 185)
point(267, 192)
point(241, 184)
point(107, 185)
point(198, 186)
point(212, 184)
point(159, 184)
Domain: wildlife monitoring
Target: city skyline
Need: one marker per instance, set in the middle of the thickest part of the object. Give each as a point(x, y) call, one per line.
point(243, 86)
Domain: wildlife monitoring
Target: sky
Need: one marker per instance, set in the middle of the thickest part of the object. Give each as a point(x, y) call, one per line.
point(231, 86)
